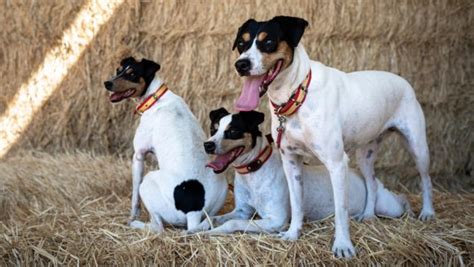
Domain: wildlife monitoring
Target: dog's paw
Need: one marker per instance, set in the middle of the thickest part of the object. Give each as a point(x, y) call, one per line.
point(137, 224)
point(426, 215)
point(365, 217)
point(196, 230)
point(343, 249)
point(290, 235)
point(131, 220)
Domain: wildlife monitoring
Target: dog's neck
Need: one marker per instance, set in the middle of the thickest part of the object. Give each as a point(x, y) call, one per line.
point(152, 88)
point(246, 158)
point(280, 90)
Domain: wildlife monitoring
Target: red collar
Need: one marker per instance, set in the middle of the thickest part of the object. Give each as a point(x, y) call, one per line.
point(296, 99)
point(258, 162)
point(291, 107)
point(151, 100)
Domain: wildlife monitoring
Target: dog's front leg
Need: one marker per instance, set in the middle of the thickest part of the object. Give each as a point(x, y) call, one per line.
point(266, 225)
point(338, 171)
point(292, 164)
point(138, 163)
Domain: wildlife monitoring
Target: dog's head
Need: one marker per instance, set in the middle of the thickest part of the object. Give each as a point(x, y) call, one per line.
point(232, 135)
point(266, 48)
point(131, 79)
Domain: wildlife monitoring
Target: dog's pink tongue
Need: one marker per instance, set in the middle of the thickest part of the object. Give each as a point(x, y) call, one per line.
point(250, 95)
point(220, 162)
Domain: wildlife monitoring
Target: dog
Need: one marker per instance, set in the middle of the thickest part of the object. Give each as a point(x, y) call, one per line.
point(260, 184)
point(324, 112)
point(183, 189)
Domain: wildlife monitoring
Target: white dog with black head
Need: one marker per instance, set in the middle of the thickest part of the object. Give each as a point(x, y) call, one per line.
point(260, 185)
point(183, 189)
point(321, 111)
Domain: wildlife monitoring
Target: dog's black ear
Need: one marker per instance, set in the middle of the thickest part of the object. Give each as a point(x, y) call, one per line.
point(292, 28)
point(127, 61)
point(241, 30)
point(150, 67)
point(217, 114)
point(252, 119)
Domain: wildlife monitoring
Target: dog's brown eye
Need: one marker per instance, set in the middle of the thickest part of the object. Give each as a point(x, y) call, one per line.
point(233, 134)
point(269, 43)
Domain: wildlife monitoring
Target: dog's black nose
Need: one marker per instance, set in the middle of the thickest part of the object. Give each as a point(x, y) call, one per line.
point(243, 66)
point(108, 85)
point(209, 147)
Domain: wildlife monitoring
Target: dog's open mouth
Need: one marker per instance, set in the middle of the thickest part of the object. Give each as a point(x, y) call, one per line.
point(221, 162)
point(119, 96)
point(272, 73)
point(254, 87)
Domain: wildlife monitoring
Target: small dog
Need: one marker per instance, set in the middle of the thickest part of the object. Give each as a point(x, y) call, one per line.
point(183, 188)
point(323, 112)
point(260, 185)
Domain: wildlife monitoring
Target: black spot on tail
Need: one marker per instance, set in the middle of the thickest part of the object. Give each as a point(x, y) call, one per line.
point(189, 196)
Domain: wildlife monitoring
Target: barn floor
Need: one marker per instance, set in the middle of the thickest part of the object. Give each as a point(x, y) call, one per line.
point(71, 209)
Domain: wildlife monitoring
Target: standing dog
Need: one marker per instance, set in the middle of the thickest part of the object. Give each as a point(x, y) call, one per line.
point(260, 183)
point(183, 188)
point(324, 112)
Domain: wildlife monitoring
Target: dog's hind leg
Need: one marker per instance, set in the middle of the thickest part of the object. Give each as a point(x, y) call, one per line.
point(149, 193)
point(365, 159)
point(412, 128)
point(390, 204)
point(241, 211)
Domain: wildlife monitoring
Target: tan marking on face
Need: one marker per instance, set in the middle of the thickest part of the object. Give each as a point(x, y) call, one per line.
point(122, 85)
point(229, 144)
point(130, 70)
point(283, 51)
point(246, 36)
point(261, 36)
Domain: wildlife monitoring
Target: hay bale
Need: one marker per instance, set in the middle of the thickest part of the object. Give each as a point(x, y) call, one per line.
point(72, 208)
point(429, 43)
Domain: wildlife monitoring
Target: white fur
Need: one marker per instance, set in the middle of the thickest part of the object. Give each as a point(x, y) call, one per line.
point(343, 111)
point(171, 132)
point(255, 57)
point(265, 191)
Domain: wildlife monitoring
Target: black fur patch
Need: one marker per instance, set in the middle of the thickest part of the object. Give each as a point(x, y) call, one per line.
point(145, 69)
point(215, 116)
point(279, 28)
point(245, 122)
point(189, 196)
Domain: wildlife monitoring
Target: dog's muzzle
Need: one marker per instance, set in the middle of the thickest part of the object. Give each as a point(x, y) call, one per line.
point(209, 147)
point(108, 85)
point(243, 66)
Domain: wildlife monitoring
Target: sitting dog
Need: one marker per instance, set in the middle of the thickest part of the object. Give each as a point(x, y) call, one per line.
point(183, 188)
point(323, 112)
point(260, 183)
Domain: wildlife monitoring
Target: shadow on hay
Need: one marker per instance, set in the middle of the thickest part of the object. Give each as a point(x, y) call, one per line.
point(66, 111)
point(29, 34)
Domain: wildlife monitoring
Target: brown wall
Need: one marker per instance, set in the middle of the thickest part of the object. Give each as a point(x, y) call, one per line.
point(430, 43)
